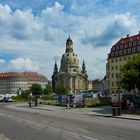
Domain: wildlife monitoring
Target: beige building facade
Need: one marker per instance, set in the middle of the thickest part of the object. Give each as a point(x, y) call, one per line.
point(119, 55)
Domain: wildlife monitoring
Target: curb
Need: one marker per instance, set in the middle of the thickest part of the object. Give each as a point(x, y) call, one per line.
point(118, 117)
point(90, 113)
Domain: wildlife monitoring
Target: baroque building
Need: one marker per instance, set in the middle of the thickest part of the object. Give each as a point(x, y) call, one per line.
point(123, 50)
point(70, 76)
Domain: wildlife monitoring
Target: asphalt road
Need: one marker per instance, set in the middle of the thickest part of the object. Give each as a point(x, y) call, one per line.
point(17, 123)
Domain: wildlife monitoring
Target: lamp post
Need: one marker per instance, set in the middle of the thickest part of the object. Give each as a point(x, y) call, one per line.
point(30, 99)
point(119, 100)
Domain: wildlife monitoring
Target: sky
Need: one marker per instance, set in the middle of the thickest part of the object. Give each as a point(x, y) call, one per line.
point(33, 33)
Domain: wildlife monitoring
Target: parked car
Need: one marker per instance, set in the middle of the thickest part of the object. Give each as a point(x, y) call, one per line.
point(6, 99)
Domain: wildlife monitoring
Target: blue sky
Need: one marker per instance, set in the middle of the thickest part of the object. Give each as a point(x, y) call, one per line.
point(34, 32)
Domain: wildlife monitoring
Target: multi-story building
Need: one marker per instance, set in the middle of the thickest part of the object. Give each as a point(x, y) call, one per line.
point(97, 85)
point(90, 85)
point(104, 82)
point(120, 53)
point(70, 76)
point(15, 82)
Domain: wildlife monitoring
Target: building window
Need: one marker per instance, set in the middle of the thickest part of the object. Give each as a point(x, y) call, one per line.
point(112, 60)
point(124, 52)
point(120, 52)
point(125, 46)
point(121, 47)
point(134, 43)
point(116, 53)
point(112, 54)
point(116, 67)
point(113, 48)
point(112, 84)
point(124, 58)
point(116, 60)
point(129, 50)
point(134, 49)
point(138, 49)
point(130, 44)
point(117, 47)
point(108, 75)
point(112, 75)
point(139, 43)
point(120, 59)
point(112, 68)
point(116, 75)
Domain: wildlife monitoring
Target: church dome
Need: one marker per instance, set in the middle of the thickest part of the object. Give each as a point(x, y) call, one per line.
point(70, 59)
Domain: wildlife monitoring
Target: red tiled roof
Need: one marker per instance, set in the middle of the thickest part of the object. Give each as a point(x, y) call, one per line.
point(29, 76)
point(127, 39)
point(126, 46)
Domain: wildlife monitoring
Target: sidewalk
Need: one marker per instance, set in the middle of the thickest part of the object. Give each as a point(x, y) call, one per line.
point(2, 137)
point(105, 111)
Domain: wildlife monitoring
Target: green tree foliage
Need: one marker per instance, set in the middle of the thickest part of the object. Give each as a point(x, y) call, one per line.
point(36, 89)
point(131, 74)
point(25, 94)
point(62, 91)
point(48, 90)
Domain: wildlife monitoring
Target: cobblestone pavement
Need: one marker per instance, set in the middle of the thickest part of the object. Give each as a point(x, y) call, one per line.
point(2, 137)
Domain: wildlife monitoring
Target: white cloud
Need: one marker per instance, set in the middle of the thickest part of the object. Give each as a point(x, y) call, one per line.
point(23, 64)
point(34, 42)
point(2, 61)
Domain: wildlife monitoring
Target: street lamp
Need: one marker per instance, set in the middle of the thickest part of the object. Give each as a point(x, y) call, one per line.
point(119, 100)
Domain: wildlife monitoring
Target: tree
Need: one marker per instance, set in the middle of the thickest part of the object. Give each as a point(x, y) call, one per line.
point(48, 90)
point(62, 91)
point(36, 89)
point(25, 94)
point(131, 74)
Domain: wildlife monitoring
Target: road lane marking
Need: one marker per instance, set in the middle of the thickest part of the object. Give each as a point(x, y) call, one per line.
point(51, 129)
point(70, 133)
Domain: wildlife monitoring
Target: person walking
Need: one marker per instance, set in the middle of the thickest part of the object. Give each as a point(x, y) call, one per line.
point(131, 106)
point(36, 101)
point(68, 103)
point(30, 103)
point(128, 105)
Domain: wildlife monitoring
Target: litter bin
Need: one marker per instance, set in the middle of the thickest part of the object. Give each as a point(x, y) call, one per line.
point(114, 111)
point(119, 111)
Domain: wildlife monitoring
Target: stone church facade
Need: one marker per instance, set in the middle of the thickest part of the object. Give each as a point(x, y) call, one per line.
point(70, 76)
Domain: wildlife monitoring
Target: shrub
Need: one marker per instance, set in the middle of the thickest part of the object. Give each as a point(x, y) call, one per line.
point(97, 102)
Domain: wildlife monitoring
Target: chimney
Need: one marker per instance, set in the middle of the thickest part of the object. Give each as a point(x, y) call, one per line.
point(127, 35)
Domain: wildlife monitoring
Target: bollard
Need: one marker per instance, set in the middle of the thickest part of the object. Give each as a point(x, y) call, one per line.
point(114, 111)
point(119, 111)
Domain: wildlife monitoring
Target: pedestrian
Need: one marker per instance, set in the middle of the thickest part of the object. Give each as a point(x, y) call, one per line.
point(68, 103)
point(30, 102)
point(36, 100)
point(128, 105)
point(131, 106)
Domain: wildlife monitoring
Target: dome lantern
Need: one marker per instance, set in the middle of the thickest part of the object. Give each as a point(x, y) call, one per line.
point(69, 45)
